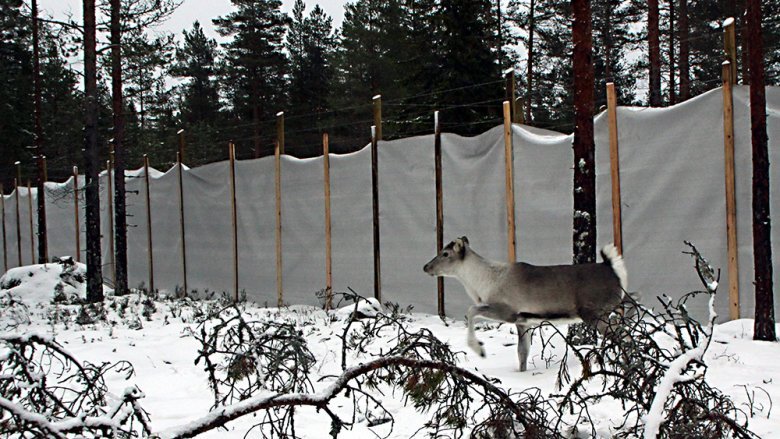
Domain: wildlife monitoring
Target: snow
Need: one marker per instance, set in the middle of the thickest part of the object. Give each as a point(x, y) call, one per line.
point(36, 284)
point(177, 395)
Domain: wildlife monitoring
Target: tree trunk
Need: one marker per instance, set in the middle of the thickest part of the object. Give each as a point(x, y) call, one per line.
point(117, 102)
point(91, 158)
point(654, 48)
point(43, 256)
point(672, 79)
point(762, 237)
point(530, 75)
point(742, 22)
point(685, 53)
point(584, 215)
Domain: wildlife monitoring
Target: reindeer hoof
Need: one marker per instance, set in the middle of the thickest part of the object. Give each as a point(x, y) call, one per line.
point(476, 346)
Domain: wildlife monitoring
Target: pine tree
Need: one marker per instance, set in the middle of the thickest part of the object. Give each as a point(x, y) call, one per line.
point(255, 65)
point(468, 42)
point(196, 62)
point(16, 92)
point(311, 44)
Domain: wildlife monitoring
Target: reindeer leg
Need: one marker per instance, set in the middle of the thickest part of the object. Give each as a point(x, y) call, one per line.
point(524, 335)
point(471, 338)
point(498, 313)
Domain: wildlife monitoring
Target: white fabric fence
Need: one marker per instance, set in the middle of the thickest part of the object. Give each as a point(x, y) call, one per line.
point(672, 176)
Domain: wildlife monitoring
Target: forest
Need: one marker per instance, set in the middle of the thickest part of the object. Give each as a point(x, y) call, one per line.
point(420, 55)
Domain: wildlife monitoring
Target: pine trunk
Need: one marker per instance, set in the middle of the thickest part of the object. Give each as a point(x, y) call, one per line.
point(39, 152)
point(584, 146)
point(762, 237)
point(672, 78)
point(120, 217)
point(91, 158)
point(685, 53)
point(530, 78)
point(654, 48)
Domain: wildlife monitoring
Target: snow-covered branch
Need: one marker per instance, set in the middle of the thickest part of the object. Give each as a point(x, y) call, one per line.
point(320, 400)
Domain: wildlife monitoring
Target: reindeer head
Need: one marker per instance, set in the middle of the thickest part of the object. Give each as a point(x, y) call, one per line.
point(449, 258)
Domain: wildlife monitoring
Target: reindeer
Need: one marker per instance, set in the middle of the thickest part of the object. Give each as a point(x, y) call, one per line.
point(528, 295)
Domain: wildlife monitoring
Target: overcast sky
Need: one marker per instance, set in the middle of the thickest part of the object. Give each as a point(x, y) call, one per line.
point(191, 10)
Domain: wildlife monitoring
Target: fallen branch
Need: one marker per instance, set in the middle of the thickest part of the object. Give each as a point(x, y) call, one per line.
point(320, 400)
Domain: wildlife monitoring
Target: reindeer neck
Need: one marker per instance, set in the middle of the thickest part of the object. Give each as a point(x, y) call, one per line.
point(480, 275)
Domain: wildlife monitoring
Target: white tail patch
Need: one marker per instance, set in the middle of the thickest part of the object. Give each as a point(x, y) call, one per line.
point(610, 252)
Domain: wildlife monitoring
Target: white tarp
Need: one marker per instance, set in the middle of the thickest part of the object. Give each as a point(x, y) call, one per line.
point(672, 177)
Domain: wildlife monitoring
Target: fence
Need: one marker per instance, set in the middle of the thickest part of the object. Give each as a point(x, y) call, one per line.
point(273, 241)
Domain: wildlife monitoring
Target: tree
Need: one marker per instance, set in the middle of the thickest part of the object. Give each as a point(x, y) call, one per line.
point(654, 51)
point(255, 63)
point(196, 62)
point(685, 74)
point(39, 151)
point(91, 158)
point(762, 234)
point(468, 41)
point(118, 109)
point(311, 45)
point(16, 92)
point(584, 145)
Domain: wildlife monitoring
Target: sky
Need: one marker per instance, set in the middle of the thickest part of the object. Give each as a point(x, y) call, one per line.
point(191, 10)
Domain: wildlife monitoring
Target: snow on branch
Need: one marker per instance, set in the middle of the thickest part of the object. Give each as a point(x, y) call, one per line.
point(678, 369)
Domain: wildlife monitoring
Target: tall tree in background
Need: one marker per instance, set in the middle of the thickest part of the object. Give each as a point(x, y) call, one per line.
point(118, 109)
point(196, 63)
point(91, 158)
point(654, 50)
point(16, 92)
point(469, 42)
point(762, 233)
point(369, 61)
point(311, 44)
point(255, 61)
point(685, 53)
point(39, 151)
point(584, 145)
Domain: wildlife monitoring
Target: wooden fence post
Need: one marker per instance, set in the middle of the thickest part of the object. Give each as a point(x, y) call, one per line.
point(150, 248)
point(181, 218)
point(17, 182)
point(375, 214)
point(234, 213)
point(32, 229)
point(111, 255)
point(514, 103)
point(328, 256)
point(439, 206)
point(731, 200)
point(614, 167)
point(77, 257)
point(378, 115)
point(43, 238)
point(5, 246)
point(730, 47)
point(278, 151)
point(180, 157)
point(510, 184)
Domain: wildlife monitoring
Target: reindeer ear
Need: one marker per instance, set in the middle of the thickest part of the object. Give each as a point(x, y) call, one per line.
point(460, 246)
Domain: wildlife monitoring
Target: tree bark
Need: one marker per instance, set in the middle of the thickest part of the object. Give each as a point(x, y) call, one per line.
point(530, 75)
point(672, 78)
point(43, 256)
point(654, 49)
point(117, 102)
point(91, 158)
point(584, 146)
point(685, 53)
point(762, 237)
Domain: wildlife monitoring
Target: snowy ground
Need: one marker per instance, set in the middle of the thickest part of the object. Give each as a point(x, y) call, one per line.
point(177, 392)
